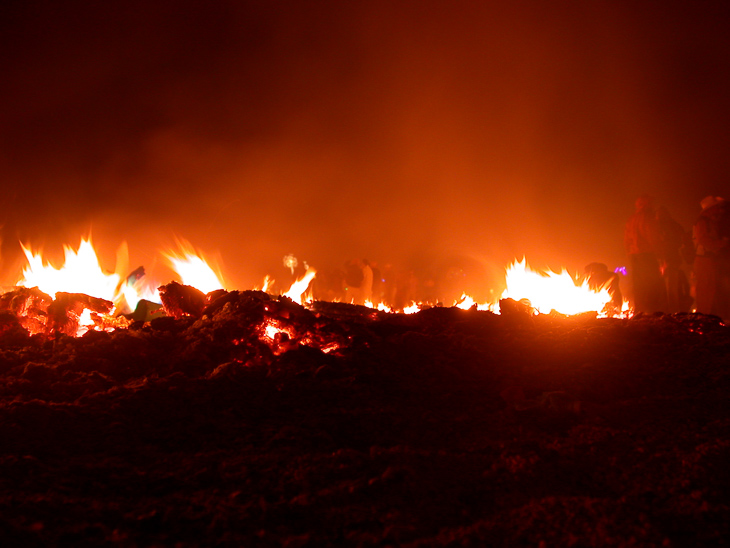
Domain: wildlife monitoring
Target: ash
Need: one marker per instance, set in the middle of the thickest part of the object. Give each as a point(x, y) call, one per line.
point(254, 421)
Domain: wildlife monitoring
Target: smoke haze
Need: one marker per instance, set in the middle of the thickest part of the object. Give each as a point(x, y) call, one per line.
point(410, 132)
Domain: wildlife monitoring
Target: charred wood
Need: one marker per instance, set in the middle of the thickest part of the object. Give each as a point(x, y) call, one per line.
point(182, 300)
point(66, 309)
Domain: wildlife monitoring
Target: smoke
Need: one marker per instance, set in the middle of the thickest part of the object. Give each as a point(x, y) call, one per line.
point(415, 133)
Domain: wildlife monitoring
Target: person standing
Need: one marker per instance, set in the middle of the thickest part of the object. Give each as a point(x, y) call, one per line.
point(712, 255)
point(641, 239)
point(672, 238)
point(359, 281)
point(599, 278)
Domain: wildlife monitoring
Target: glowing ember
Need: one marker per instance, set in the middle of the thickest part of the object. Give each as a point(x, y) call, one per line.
point(270, 332)
point(552, 291)
point(297, 289)
point(86, 322)
point(278, 336)
point(80, 273)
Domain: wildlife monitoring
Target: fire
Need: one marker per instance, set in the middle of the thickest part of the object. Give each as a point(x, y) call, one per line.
point(412, 309)
point(81, 277)
point(80, 273)
point(382, 307)
point(134, 291)
point(267, 284)
point(83, 289)
point(466, 302)
point(297, 289)
point(552, 291)
point(194, 270)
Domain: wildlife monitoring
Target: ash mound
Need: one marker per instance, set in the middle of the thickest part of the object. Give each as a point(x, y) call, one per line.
point(248, 420)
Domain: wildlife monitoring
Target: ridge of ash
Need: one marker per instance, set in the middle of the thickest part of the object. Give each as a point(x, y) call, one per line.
point(244, 419)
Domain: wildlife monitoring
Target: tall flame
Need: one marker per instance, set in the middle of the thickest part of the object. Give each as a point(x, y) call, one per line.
point(297, 289)
point(80, 273)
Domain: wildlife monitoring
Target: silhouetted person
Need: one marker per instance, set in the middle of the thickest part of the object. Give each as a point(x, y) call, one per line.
point(711, 266)
point(453, 285)
point(329, 285)
point(359, 281)
point(599, 277)
point(367, 282)
point(672, 238)
point(641, 238)
point(377, 283)
point(406, 289)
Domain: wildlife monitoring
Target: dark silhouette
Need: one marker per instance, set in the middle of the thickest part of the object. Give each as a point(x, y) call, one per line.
point(599, 277)
point(642, 239)
point(711, 235)
point(359, 281)
point(672, 241)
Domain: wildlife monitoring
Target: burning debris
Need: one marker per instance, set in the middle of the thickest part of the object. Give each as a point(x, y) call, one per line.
point(86, 297)
point(68, 313)
point(136, 299)
point(29, 306)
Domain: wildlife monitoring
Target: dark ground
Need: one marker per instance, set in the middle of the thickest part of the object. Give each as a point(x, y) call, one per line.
point(446, 427)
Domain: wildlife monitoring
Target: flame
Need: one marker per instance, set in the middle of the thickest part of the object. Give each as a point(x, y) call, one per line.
point(135, 291)
point(466, 302)
point(268, 282)
point(80, 273)
point(297, 289)
point(412, 308)
point(194, 270)
point(382, 307)
point(552, 291)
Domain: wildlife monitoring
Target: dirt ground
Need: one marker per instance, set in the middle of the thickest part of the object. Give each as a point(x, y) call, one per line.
point(356, 428)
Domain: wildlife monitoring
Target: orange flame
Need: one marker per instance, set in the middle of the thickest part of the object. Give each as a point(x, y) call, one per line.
point(80, 273)
point(297, 289)
point(552, 291)
point(194, 270)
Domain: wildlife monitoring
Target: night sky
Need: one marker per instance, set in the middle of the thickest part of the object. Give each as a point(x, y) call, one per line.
point(416, 133)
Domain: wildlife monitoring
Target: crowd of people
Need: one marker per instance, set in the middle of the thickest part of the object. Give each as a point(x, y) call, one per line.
point(662, 253)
